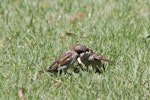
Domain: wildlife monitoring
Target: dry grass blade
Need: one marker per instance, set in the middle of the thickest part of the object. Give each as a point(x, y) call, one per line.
point(21, 94)
point(77, 17)
point(57, 83)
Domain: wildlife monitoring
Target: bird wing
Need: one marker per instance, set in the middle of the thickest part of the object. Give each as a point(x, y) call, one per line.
point(100, 57)
point(64, 58)
point(60, 61)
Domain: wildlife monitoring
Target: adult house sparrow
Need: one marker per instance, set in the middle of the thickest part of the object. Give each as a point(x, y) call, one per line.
point(89, 58)
point(65, 61)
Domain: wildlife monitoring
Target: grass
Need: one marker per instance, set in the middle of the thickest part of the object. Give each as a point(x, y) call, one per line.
point(33, 35)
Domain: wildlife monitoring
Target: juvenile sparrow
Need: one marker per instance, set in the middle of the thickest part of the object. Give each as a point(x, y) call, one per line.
point(89, 58)
point(67, 60)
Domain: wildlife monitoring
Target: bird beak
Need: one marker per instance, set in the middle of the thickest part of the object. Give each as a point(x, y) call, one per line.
point(79, 60)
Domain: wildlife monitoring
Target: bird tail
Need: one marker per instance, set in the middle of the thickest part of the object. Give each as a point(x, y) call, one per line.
point(52, 67)
point(104, 58)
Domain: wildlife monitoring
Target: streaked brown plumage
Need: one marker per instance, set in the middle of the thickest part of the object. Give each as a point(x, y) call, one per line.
point(92, 59)
point(67, 59)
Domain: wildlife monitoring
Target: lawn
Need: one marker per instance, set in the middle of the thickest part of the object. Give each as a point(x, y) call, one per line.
point(33, 33)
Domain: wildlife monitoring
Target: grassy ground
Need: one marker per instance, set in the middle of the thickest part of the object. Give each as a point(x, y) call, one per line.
point(33, 33)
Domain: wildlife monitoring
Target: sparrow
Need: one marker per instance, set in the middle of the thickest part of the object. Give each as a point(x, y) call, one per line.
point(66, 60)
point(89, 58)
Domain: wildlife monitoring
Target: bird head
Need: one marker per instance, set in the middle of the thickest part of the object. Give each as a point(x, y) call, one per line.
point(79, 48)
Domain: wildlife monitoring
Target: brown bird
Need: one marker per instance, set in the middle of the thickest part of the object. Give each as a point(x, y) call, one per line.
point(89, 58)
point(65, 61)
